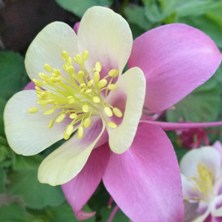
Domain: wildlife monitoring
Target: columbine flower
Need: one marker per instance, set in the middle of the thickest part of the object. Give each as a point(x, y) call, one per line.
point(80, 90)
point(202, 184)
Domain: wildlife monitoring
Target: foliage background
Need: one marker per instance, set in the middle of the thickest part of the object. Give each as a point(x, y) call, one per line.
point(22, 197)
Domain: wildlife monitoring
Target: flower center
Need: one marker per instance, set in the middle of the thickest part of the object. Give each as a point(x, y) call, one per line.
point(75, 94)
point(204, 181)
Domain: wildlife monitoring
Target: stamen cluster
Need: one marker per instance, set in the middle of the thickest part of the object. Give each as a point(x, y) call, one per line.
point(74, 94)
point(204, 181)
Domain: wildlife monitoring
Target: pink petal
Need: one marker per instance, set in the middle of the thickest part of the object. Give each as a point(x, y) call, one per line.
point(176, 59)
point(145, 180)
point(76, 26)
point(29, 86)
point(80, 188)
point(213, 219)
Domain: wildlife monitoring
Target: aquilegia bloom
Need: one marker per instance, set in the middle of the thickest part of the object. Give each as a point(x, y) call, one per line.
point(202, 184)
point(80, 88)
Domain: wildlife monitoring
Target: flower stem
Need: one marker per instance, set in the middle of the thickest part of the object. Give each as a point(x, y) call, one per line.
point(181, 126)
point(113, 213)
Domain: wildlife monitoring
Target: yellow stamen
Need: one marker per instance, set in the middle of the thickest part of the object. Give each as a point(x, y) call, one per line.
point(102, 83)
point(76, 93)
point(33, 109)
point(96, 99)
point(47, 68)
point(98, 67)
point(113, 73)
point(68, 131)
point(204, 180)
point(90, 83)
point(85, 55)
point(85, 108)
point(112, 86)
point(108, 111)
point(87, 122)
point(49, 111)
point(51, 123)
point(71, 99)
point(117, 112)
point(73, 116)
point(60, 118)
point(65, 55)
point(96, 77)
point(112, 125)
point(78, 59)
point(80, 132)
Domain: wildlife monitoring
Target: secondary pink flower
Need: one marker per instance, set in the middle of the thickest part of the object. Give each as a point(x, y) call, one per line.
point(141, 167)
point(202, 184)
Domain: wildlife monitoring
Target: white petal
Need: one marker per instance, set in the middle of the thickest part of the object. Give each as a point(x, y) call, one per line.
point(216, 207)
point(27, 133)
point(218, 146)
point(47, 48)
point(107, 37)
point(202, 218)
point(68, 160)
point(189, 189)
point(205, 155)
point(195, 212)
point(133, 84)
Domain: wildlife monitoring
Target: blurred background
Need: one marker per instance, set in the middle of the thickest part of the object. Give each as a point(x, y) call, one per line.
point(22, 197)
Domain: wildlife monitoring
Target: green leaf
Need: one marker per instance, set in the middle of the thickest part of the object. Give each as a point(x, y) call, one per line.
point(78, 7)
point(23, 163)
point(63, 213)
point(119, 217)
point(6, 154)
point(201, 105)
point(2, 180)
point(13, 213)
point(195, 7)
point(12, 74)
point(2, 107)
point(24, 183)
point(99, 199)
point(157, 11)
point(136, 15)
point(209, 24)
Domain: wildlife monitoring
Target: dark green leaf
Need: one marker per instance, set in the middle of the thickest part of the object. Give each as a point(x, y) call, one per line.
point(195, 7)
point(119, 217)
point(136, 15)
point(208, 25)
point(157, 11)
point(13, 213)
point(5, 153)
point(63, 213)
point(12, 74)
point(202, 105)
point(25, 184)
point(2, 180)
point(2, 106)
point(78, 7)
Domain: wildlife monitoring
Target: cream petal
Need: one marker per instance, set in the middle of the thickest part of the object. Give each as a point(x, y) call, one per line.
point(107, 37)
point(68, 160)
point(27, 133)
point(205, 155)
point(133, 85)
point(47, 48)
